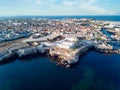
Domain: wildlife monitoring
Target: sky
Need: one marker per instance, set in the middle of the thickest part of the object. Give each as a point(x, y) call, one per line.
point(59, 7)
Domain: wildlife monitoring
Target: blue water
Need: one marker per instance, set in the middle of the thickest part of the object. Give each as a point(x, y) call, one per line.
point(109, 18)
point(106, 33)
point(95, 71)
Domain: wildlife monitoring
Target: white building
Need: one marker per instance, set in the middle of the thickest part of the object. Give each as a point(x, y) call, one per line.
point(67, 43)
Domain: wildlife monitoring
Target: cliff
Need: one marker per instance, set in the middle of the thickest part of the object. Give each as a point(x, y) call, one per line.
point(67, 57)
point(4, 55)
point(31, 50)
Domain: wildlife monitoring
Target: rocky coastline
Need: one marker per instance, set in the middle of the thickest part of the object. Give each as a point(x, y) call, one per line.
point(6, 55)
point(70, 59)
point(63, 40)
point(110, 51)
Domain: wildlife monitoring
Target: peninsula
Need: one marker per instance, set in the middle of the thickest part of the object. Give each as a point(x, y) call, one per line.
point(64, 40)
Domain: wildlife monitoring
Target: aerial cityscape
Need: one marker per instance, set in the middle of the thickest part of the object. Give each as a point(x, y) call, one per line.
point(64, 39)
point(74, 46)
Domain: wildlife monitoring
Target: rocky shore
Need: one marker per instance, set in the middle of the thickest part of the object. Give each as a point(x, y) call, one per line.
point(23, 52)
point(6, 55)
point(111, 51)
point(66, 58)
point(32, 50)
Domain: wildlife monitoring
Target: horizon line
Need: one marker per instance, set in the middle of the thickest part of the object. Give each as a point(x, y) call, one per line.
point(55, 15)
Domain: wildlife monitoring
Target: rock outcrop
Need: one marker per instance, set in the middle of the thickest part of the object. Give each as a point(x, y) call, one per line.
point(67, 57)
point(23, 52)
point(31, 50)
point(6, 55)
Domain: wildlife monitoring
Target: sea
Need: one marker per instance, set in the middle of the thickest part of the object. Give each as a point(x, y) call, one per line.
point(103, 17)
point(94, 71)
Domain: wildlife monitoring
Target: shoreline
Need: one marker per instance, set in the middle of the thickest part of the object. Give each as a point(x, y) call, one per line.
point(22, 53)
point(35, 51)
point(64, 40)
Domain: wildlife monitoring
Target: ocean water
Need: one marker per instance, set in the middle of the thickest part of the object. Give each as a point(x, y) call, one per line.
point(107, 17)
point(95, 71)
point(106, 33)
